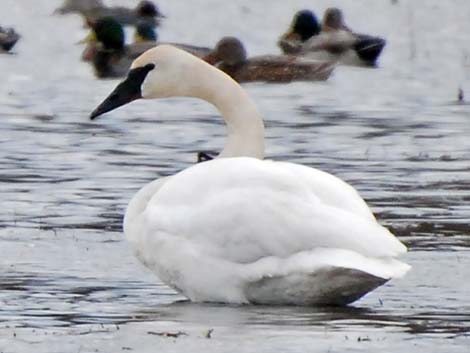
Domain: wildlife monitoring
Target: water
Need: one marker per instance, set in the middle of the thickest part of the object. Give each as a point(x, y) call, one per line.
point(68, 280)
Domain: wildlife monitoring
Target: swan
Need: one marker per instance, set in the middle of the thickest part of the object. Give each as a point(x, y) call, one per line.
point(239, 229)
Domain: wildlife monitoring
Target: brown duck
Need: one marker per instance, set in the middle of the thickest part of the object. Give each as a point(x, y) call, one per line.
point(92, 10)
point(230, 56)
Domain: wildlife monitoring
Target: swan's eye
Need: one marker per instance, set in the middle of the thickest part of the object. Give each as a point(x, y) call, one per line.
point(127, 91)
point(139, 73)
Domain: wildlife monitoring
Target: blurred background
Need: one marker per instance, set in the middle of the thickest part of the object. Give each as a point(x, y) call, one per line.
point(397, 132)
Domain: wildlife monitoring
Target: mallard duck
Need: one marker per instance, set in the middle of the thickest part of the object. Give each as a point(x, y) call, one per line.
point(92, 10)
point(230, 56)
point(304, 26)
point(335, 41)
point(106, 49)
point(240, 229)
point(8, 39)
point(109, 55)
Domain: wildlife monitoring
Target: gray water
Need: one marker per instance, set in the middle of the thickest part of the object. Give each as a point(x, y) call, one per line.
point(68, 280)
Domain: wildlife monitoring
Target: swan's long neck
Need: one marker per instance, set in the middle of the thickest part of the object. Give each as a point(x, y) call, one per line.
point(244, 123)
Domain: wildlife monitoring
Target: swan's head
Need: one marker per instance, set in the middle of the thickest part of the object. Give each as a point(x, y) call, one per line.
point(160, 72)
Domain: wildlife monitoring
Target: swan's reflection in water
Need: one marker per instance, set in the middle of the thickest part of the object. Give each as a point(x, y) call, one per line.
point(47, 301)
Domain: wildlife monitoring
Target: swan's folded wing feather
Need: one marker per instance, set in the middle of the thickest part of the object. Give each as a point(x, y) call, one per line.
point(243, 209)
point(331, 190)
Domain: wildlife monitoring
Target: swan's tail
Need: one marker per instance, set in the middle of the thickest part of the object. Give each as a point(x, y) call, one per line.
point(319, 277)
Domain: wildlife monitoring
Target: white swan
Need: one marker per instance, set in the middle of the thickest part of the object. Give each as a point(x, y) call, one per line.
point(239, 229)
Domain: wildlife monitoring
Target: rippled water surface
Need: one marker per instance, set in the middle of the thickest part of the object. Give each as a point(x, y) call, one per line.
point(68, 280)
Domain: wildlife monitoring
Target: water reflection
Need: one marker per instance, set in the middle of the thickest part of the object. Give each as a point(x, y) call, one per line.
point(47, 301)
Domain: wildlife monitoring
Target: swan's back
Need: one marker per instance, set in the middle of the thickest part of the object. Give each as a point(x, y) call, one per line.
point(246, 209)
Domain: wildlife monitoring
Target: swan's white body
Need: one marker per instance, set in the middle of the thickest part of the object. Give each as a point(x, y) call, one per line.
point(239, 229)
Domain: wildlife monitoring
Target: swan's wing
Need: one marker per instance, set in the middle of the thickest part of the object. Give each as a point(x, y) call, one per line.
point(134, 218)
point(243, 209)
point(329, 189)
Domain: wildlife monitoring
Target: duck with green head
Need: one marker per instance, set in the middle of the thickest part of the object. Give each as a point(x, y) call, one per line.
point(303, 26)
point(229, 55)
point(106, 49)
point(111, 57)
point(334, 42)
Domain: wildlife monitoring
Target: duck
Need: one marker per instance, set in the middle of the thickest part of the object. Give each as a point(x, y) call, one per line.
point(111, 57)
point(78, 6)
point(106, 50)
point(92, 10)
point(304, 26)
point(230, 56)
point(242, 229)
point(8, 39)
point(336, 41)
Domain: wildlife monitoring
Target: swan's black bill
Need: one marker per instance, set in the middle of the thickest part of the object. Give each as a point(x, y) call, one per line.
point(126, 92)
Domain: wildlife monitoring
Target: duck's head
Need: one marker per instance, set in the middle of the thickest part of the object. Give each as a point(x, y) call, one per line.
point(160, 72)
point(148, 9)
point(333, 19)
point(229, 51)
point(108, 32)
point(145, 32)
point(305, 24)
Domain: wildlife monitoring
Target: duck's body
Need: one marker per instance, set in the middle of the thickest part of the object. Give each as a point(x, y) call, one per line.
point(229, 55)
point(239, 229)
point(344, 47)
point(8, 39)
point(78, 6)
point(335, 42)
point(92, 10)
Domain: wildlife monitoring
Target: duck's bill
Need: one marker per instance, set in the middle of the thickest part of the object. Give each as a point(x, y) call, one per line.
point(90, 38)
point(127, 91)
